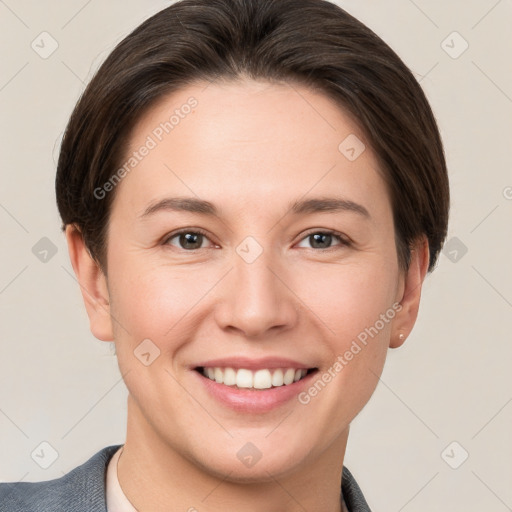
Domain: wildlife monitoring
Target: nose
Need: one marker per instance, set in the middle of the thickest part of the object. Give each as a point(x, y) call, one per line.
point(257, 299)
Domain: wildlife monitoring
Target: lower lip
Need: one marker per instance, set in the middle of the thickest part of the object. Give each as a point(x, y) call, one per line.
point(254, 400)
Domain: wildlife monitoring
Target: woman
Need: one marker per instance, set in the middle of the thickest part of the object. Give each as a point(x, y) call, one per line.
point(252, 193)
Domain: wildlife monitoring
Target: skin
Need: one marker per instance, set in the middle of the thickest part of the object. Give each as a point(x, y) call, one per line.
point(251, 149)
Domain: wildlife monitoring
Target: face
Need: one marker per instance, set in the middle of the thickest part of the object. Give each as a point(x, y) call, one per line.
point(245, 251)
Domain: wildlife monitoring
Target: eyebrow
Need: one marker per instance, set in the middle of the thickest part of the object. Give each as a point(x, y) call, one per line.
point(300, 207)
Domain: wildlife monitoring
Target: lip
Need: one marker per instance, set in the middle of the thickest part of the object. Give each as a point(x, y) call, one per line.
point(253, 364)
point(254, 401)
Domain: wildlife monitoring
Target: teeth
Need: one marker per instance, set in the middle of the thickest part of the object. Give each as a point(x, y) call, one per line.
point(277, 378)
point(260, 379)
point(289, 375)
point(244, 378)
point(229, 377)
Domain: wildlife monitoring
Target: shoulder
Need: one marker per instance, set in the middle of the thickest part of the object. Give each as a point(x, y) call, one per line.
point(352, 493)
point(80, 490)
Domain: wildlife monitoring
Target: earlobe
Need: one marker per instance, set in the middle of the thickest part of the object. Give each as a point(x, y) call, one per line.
point(93, 285)
point(410, 296)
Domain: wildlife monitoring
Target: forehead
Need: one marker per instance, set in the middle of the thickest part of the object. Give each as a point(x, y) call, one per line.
point(246, 112)
point(247, 140)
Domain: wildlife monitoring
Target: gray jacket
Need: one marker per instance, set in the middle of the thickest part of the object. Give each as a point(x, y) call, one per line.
point(83, 490)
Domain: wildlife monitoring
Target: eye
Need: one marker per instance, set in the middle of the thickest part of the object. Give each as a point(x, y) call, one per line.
point(323, 239)
point(188, 239)
point(193, 239)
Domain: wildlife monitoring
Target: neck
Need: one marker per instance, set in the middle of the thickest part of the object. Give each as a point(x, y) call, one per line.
point(155, 476)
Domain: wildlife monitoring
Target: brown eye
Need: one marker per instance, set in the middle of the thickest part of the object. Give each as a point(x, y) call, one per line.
point(187, 240)
point(324, 239)
point(320, 240)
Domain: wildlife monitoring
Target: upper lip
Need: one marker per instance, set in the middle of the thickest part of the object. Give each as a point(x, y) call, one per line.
point(253, 364)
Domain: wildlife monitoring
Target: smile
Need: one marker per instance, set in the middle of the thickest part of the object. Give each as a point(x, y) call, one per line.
point(244, 378)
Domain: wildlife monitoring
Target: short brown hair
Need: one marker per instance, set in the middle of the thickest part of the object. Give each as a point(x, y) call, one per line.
point(309, 42)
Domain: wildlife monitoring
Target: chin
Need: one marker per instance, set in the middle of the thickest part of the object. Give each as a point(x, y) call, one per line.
point(261, 472)
point(245, 463)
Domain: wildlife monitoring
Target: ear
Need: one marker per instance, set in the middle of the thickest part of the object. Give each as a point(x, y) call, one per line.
point(410, 293)
point(93, 285)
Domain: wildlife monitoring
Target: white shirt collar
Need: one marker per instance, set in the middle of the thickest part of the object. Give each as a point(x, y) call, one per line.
point(116, 499)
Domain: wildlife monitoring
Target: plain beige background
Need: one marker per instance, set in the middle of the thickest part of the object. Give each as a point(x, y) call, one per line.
point(445, 394)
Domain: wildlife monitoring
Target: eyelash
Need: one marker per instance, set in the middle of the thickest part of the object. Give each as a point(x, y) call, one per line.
point(344, 241)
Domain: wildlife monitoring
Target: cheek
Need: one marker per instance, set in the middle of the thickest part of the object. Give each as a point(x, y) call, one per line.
point(355, 306)
point(158, 301)
point(151, 311)
point(349, 299)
